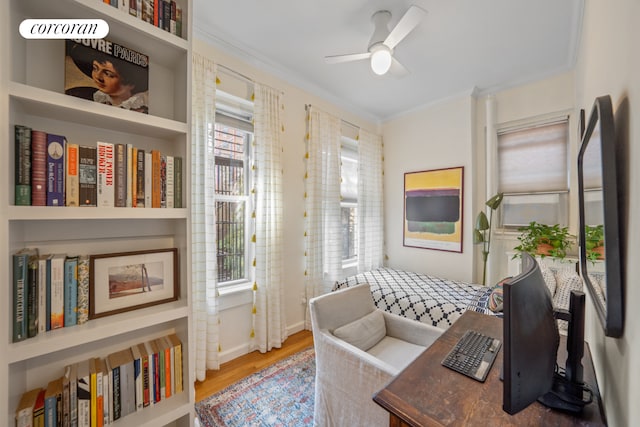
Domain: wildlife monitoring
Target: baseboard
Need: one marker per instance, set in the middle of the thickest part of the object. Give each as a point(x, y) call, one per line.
point(242, 349)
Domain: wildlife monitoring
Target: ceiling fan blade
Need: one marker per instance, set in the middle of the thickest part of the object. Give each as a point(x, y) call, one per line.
point(397, 69)
point(407, 23)
point(336, 59)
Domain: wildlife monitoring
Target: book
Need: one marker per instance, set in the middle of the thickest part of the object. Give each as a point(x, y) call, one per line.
point(47, 261)
point(130, 91)
point(106, 385)
point(177, 182)
point(55, 169)
point(170, 182)
point(148, 179)
point(120, 173)
point(97, 392)
point(83, 289)
point(109, 393)
point(72, 183)
point(88, 175)
point(177, 361)
point(133, 183)
point(163, 181)
point(38, 410)
point(145, 368)
point(155, 179)
point(137, 376)
point(140, 178)
point(22, 165)
point(20, 293)
point(66, 397)
point(170, 361)
point(57, 290)
point(53, 402)
point(38, 168)
point(84, 394)
point(32, 294)
point(154, 372)
point(178, 20)
point(71, 291)
point(164, 368)
point(106, 178)
point(24, 411)
point(71, 376)
point(129, 174)
point(43, 308)
point(121, 364)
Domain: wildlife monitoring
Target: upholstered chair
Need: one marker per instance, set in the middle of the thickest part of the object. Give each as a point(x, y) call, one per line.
point(359, 349)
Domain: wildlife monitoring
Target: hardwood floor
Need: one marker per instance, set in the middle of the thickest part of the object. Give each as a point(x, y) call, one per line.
point(248, 364)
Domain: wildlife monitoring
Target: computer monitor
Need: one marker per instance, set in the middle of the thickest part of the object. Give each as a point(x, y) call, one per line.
point(531, 341)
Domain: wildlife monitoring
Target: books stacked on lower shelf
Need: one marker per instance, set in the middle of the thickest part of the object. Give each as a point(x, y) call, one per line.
point(100, 390)
point(50, 291)
point(52, 171)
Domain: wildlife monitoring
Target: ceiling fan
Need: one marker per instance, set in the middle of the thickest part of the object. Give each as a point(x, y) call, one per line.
point(383, 41)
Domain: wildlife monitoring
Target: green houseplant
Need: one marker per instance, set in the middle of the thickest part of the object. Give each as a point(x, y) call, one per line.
point(482, 231)
point(594, 241)
point(544, 240)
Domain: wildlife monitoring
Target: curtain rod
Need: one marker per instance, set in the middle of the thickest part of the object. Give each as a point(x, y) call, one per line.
point(308, 106)
point(245, 78)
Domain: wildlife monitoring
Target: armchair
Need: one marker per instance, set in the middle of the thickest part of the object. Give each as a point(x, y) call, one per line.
point(359, 349)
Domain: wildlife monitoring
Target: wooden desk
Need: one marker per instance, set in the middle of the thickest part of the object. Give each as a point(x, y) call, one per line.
point(428, 394)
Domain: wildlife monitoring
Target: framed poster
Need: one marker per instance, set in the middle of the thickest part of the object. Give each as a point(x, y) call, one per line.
point(130, 280)
point(433, 209)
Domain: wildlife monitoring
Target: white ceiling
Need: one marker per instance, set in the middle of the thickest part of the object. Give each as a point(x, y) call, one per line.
point(460, 46)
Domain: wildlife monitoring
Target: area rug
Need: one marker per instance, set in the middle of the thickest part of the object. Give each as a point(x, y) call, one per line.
point(278, 396)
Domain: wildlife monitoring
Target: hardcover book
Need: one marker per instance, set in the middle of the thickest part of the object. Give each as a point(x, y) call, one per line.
point(38, 168)
point(72, 184)
point(140, 178)
point(42, 293)
point(32, 295)
point(57, 291)
point(21, 293)
point(120, 172)
point(24, 411)
point(71, 291)
point(88, 176)
point(55, 169)
point(177, 362)
point(84, 394)
point(103, 71)
point(83, 289)
point(22, 165)
point(106, 178)
point(170, 182)
point(177, 182)
point(52, 402)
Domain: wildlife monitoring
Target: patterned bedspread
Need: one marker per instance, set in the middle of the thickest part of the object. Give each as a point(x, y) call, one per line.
point(428, 299)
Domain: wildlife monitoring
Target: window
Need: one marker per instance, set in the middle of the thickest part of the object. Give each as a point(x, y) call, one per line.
point(533, 173)
point(233, 133)
point(349, 199)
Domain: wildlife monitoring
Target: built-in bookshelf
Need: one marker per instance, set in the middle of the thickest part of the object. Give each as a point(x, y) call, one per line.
point(32, 94)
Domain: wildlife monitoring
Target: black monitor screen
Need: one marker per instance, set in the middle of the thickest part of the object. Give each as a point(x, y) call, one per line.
point(530, 339)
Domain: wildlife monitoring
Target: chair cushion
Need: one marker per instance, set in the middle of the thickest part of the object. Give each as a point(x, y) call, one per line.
point(396, 352)
point(365, 332)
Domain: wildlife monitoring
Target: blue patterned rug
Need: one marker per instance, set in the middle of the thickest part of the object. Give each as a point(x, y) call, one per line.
point(278, 396)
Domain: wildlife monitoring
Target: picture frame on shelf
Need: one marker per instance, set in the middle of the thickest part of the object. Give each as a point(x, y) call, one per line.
point(126, 281)
point(433, 209)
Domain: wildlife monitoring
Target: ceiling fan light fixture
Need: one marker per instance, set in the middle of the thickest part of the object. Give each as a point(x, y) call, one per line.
point(380, 60)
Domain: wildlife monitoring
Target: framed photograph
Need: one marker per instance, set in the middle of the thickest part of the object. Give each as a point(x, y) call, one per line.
point(433, 209)
point(131, 280)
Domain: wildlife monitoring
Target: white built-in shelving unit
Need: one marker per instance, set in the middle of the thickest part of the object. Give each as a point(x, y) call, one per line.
point(32, 94)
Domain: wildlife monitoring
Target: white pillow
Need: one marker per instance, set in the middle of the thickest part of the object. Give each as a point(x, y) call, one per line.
point(365, 332)
point(567, 280)
point(549, 278)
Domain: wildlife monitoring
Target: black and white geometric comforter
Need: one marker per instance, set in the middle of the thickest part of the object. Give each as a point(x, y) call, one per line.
point(428, 299)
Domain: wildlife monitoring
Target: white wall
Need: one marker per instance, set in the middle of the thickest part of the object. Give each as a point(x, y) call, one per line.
point(434, 137)
point(236, 319)
point(608, 63)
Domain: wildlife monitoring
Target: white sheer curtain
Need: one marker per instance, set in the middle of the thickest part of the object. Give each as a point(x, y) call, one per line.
point(203, 246)
point(370, 202)
point(323, 234)
point(269, 316)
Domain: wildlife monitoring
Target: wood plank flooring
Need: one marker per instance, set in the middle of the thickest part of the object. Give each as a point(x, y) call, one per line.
point(243, 366)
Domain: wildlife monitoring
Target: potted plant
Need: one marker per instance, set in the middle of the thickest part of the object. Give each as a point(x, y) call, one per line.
point(594, 241)
point(544, 240)
point(482, 231)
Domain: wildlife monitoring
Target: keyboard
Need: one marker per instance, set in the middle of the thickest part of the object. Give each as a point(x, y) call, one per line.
point(473, 355)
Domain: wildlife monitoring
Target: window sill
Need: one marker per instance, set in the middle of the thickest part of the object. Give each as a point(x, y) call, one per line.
point(235, 295)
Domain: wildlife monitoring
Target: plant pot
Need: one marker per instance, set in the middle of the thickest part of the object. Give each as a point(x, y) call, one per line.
point(599, 250)
point(544, 249)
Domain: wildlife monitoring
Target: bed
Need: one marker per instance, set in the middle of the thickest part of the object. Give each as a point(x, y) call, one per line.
point(428, 299)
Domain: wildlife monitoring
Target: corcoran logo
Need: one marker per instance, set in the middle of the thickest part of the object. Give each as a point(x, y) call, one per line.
point(64, 29)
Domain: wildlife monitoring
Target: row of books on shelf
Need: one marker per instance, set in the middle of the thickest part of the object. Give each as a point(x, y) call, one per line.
point(50, 291)
point(51, 171)
point(164, 14)
point(100, 390)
